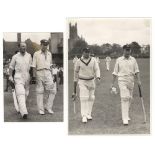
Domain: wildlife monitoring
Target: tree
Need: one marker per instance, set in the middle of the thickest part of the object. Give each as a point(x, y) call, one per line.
point(78, 46)
point(106, 48)
point(135, 48)
point(35, 46)
point(31, 46)
point(148, 49)
point(96, 49)
point(116, 50)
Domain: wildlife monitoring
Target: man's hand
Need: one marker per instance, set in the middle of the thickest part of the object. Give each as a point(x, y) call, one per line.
point(74, 96)
point(11, 82)
point(113, 81)
point(11, 79)
point(97, 80)
point(111, 87)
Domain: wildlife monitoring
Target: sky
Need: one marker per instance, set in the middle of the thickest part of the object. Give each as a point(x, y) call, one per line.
point(100, 30)
point(113, 30)
point(34, 36)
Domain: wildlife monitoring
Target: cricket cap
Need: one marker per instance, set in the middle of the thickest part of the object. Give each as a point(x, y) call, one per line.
point(127, 47)
point(44, 42)
point(87, 50)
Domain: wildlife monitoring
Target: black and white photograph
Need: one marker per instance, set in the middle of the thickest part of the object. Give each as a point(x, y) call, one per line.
point(77, 77)
point(109, 75)
point(33, 76)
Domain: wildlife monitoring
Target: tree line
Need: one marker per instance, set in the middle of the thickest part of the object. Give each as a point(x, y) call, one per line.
point(113, 50)
point(12, 48)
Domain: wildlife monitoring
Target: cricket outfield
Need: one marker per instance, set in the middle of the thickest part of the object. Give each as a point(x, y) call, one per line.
point(107, 108)
point(10, 114)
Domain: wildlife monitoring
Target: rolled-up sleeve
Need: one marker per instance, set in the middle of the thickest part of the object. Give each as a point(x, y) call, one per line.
point(116, 68)
point(76, 71)
point(13, 62)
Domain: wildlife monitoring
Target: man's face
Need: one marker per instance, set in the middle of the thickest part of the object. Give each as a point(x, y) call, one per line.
point(127, 53)
point(22, 48)
point(86, 55)
point(44, 47)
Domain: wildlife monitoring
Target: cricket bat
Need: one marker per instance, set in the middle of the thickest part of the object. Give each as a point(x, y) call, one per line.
point(74, 106)
point(142, 103)
point(15, 100)
point(74, 103)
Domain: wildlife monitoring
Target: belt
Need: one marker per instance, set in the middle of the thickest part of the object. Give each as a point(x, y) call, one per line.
point(42, 69)
point(86, 78)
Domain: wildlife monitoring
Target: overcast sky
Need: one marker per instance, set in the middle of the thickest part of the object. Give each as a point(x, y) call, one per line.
point(35, 36)
point(113, 30)
point(101, 30)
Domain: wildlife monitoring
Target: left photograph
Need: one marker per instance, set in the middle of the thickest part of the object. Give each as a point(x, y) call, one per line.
point(33, 76)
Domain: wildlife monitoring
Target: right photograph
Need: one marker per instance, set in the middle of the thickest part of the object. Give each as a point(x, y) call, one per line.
point(109, 75)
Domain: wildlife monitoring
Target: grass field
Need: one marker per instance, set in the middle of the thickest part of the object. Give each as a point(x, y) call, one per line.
point(10, 115)
point(107, 109)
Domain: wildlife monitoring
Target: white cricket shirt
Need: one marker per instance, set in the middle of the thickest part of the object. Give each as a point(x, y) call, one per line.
point(42, 60)
point(125, 68)
point(21, 63)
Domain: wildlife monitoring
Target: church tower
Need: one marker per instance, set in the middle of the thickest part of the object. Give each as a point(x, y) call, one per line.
point(73, 35)
point(18, 37)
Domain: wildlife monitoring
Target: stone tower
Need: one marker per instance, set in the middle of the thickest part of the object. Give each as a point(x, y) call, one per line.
point(56, 47)
point(18, 37)
point(73, 36)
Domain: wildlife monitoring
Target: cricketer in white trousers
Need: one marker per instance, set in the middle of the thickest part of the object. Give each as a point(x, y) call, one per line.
point(42, 62)
point(85, 72)
point(21, 64)
point(126, 69)
point(87, 97)
point(107, 61)
point(126, 91)
point(45, 84)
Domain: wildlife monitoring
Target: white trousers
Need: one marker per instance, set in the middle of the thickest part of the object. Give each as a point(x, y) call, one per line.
point(45, 86)
point(87, 97)
point(48, 103)
point(126, 91)
point(21, 92)
point(15, 100)
point(108, 66)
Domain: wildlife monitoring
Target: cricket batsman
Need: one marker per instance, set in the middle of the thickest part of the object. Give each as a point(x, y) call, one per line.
point(126, 69)
point(86, 73)
point(42, 61)
point(107, 62)
point(21, 63)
